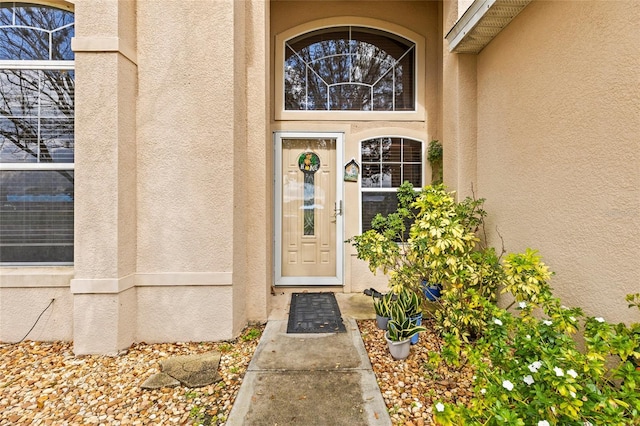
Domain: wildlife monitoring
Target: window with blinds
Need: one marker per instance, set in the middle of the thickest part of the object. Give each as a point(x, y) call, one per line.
point(36, 134)
point(387, 162)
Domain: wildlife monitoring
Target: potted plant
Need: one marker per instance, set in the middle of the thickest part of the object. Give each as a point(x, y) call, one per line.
point(412, 307)
point(382, 306)
point(400, 329)
point(431, 291)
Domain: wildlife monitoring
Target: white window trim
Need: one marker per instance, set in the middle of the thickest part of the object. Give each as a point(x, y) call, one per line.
point(420, 51)
point(37, 65)
point(361, 189)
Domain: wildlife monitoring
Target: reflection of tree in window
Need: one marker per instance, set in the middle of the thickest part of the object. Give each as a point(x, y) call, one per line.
point(37, 109)
point(349, 68)
point(35, 32)
point(387, 162)
point(36, 127)
point(36, 105)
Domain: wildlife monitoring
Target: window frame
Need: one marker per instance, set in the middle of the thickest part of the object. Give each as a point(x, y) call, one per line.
point(418, 114)
point(39, 65)
point(362, 190)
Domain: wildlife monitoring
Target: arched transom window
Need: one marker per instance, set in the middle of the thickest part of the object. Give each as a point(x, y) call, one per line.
point(349, 68)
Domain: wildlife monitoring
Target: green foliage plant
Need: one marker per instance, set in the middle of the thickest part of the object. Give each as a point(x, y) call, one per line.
point(385, 247)
point(434, 156)
point(400, 327)
point(410, 302)
point(433, 237)
point(382, 305)
point(251, 334)
point(530, 369)
point(634, 329)
point(446, 234)
point(423, 239)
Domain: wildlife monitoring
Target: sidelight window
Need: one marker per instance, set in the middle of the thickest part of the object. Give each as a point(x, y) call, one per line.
point(387, 162)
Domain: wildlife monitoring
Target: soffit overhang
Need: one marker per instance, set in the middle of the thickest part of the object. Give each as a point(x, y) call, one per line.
point(481, 23)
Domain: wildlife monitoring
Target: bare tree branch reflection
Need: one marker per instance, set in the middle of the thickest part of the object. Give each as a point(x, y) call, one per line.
point(36, 105)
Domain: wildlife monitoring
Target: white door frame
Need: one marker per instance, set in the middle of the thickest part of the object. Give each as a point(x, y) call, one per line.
point(279, 280)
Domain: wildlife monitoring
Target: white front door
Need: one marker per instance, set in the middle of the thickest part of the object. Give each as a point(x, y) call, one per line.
point(308, 192)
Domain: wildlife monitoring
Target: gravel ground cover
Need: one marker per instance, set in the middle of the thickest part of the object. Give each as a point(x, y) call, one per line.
point(412, 387)
point(45, 384)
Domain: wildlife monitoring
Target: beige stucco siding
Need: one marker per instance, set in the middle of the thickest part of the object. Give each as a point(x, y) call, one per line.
point(558, 154)
point(24, 298)
point(256, 194)
point(185, 137)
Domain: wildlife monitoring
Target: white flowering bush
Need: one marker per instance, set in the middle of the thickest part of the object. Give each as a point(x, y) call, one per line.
point(531, 371)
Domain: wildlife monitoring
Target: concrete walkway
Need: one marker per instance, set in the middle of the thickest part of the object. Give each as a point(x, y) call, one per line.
point(311, 379)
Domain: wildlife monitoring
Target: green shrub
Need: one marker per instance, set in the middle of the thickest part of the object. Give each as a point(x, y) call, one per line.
point(434, 156)
point(529, 368)
point(531, 371)
point(432, 237)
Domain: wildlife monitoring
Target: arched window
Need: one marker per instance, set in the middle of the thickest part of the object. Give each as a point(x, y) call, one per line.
point(349, 68)
point(36, 134)
point(387, 162)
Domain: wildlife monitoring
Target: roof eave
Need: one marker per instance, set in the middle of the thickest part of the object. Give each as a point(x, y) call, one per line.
point(482, 21)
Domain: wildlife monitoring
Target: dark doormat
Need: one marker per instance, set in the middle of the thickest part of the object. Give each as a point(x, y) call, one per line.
point(314, 313)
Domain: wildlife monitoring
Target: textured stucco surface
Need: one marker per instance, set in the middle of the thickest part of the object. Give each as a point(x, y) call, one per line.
point(20, 308)
point(558, 153)
point(161, 121)
point(186, 313)
point(185, 137)
point(26, 293)
point(257, 191)
point(102, 323)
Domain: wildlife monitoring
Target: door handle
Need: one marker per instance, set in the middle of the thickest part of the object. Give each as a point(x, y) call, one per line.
point(337, 210)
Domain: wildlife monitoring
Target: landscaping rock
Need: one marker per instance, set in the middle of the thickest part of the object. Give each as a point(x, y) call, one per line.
point(160, 380)
point(193, 371)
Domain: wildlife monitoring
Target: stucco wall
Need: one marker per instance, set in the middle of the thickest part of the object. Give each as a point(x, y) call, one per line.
point(185, 313)
point(26, 296)
point(172, 192)
point(105, 177)
point(257, 191)
point(191, 137)
point(558, 153)
point(185, 136)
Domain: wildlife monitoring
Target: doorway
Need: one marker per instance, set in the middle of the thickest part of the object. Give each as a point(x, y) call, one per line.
point(308, 209)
